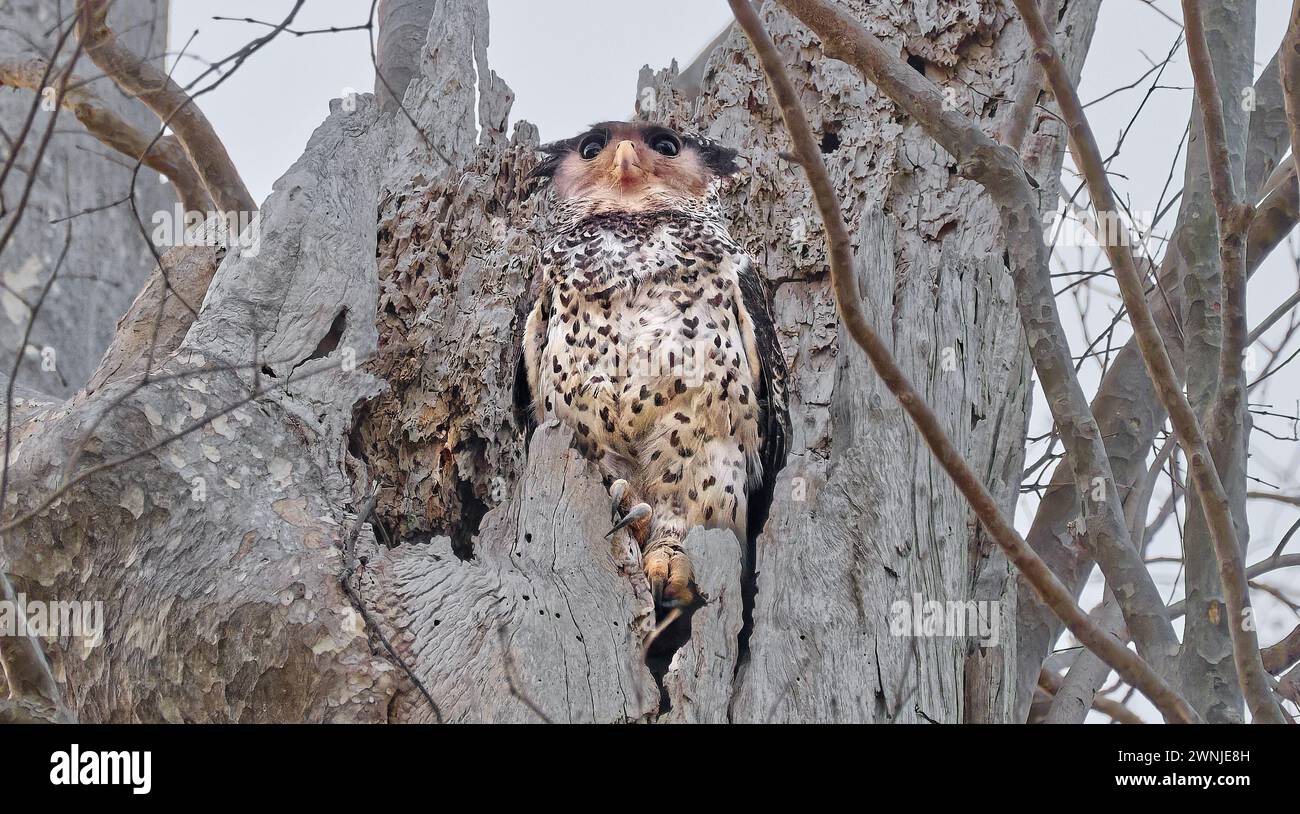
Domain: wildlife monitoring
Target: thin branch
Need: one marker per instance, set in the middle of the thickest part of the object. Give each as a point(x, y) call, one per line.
point(170, 102)
point(1051, 682)
point(1282, 655)
point(1053, 593)
point(1205, 476)
point(1258, 569)
point(165, 155)
point(1290, 500)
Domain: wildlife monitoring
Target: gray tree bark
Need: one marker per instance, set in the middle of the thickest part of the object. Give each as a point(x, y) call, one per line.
point(109, 258)
point(220, 548)
point(1207, 670)
point(403, 29)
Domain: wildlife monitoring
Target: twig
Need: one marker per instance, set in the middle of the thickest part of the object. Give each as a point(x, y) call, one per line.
point(171, 104)
point(1205, 476)
point(1049, 588)
point(1260, 568)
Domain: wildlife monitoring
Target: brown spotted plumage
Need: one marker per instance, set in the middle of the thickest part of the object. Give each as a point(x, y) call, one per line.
point(652, 338)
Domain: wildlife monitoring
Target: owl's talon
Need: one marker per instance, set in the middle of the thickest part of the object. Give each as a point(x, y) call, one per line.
point(640, 511)
point(671, 576)
point(617, 490)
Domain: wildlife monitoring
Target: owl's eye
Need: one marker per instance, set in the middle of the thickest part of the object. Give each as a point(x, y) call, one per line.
point(591, 146)
point(666, 145)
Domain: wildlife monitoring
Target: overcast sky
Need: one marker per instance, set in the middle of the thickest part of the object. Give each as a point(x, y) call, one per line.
point(568, 65)
point(572, 62)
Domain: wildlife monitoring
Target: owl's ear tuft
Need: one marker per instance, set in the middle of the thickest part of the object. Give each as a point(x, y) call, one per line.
point(721, 160)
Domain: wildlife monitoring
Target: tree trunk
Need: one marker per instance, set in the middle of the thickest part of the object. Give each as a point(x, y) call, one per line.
point(219, 555)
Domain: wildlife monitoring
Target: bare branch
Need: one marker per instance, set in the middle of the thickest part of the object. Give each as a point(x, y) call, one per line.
point(1282, 655)
point(850, 35)
point(1204, 475)
point(1051, 682)
point(1276, 497)
point(1260, 568)
point(170, 102)
point(164, 154)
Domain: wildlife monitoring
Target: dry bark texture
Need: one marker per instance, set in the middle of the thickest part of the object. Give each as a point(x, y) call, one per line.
point(109, 259)
point(861, 516)
point(415, 255)
point(403, 29)
point(216, 555)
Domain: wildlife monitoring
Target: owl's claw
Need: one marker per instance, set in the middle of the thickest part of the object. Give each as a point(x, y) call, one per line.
point(640, 511)
point(617, 490)
point(671, 576)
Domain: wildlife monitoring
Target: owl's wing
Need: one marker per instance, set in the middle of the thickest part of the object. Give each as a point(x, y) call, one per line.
point(764, 350)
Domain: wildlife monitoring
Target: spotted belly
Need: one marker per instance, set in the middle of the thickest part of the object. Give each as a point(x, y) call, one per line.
point(657, 387)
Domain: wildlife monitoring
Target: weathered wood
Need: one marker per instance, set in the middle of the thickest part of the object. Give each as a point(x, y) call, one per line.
point(698, 683)
point(216, 555)
point(548, 609)
point(161, 315)
point(403, 30)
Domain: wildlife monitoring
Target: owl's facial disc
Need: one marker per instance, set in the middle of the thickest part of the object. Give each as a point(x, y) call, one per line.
point(620, 166)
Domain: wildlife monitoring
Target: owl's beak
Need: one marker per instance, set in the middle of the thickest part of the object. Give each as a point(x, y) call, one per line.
point(627, 167)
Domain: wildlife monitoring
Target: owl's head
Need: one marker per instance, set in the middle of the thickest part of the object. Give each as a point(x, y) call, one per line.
point(630, 166)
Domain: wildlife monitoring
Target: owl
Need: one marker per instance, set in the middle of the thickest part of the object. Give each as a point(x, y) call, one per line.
point(652, 338)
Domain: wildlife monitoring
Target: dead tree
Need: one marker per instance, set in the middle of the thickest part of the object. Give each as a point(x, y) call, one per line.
point(315, 499)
